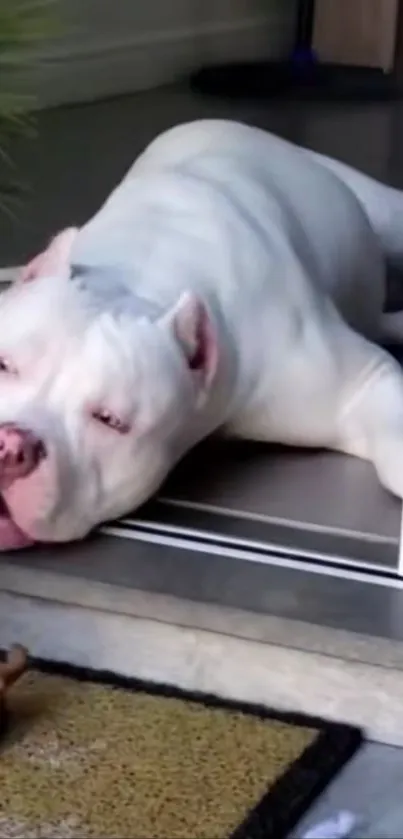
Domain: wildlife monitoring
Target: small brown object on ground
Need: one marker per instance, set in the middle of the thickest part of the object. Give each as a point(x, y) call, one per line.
point(10, 670)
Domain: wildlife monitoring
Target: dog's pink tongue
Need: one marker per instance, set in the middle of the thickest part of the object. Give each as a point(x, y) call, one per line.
point(11, 537)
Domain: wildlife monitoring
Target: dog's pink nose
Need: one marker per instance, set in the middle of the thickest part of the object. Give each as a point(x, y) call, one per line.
point(20, 452)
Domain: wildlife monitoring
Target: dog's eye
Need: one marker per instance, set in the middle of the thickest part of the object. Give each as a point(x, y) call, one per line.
point(110, 420)
point(6, 367)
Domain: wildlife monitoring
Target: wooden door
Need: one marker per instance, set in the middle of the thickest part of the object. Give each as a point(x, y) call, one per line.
point(360, 32)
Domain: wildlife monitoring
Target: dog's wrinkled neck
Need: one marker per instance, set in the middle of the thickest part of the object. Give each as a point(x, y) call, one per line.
point(107, 288)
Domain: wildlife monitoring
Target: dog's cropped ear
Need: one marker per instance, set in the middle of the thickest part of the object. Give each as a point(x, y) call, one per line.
point(192, 327)
point(54, 261)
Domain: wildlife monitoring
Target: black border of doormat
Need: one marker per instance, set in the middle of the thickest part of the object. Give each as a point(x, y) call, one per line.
point(292, 794)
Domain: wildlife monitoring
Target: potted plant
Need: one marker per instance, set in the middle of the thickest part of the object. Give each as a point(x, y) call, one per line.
point(24, 26)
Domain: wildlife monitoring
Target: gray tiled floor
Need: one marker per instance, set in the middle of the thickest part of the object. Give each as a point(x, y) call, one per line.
point(371, 788)
point(79, 155)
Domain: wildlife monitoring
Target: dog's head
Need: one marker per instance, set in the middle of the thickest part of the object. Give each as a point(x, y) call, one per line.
point(97, 398)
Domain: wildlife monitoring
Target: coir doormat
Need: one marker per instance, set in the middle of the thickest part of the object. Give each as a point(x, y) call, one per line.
point(90, 754)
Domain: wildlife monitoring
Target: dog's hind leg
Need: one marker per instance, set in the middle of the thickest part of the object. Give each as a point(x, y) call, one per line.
point(382, 204)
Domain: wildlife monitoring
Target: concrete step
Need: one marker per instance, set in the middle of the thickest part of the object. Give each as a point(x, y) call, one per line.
point(85, 605)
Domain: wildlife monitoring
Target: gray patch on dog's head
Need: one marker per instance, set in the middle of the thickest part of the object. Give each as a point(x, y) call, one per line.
point(108, 289)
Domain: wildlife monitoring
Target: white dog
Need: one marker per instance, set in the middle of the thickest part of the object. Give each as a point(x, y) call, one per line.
point(232, 282)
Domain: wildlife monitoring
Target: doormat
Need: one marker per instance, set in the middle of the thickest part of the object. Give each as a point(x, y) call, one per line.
point(92, 754)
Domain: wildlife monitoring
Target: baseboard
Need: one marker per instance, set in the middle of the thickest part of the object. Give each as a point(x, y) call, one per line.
point(80, 70)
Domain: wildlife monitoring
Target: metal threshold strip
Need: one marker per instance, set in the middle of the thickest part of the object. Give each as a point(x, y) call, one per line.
point(317, 508)
point(268, 556)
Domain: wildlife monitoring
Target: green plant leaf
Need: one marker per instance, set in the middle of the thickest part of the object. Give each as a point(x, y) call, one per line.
point(25, 25)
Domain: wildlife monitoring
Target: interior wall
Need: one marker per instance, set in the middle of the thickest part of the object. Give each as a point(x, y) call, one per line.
point(111, 47)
